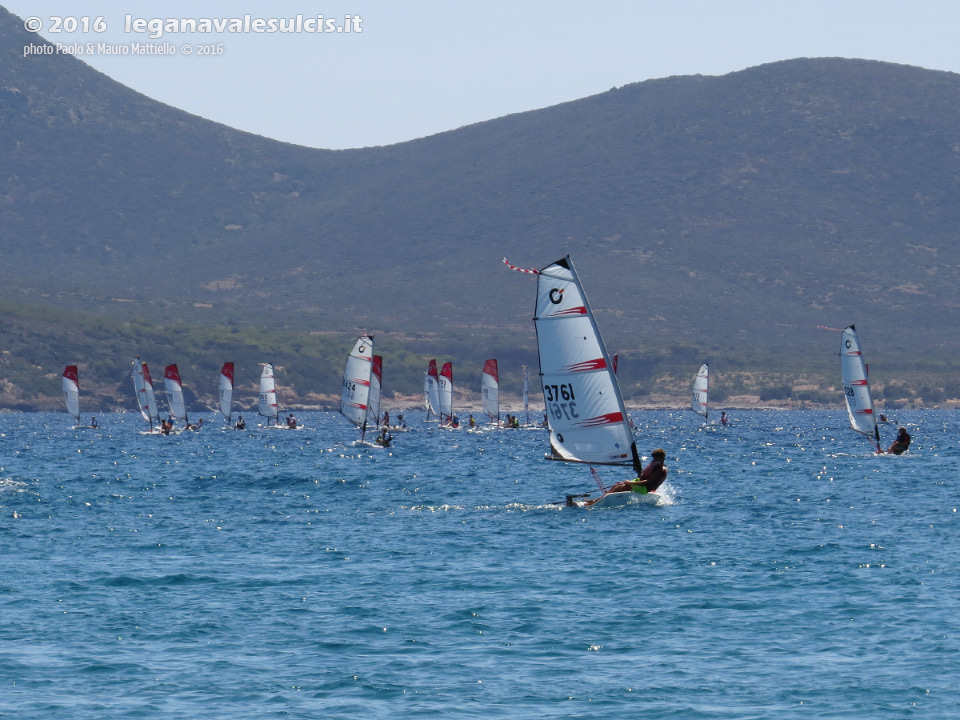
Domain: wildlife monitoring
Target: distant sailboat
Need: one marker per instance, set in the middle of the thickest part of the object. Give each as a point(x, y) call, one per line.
point(226, 391)
point(174, 388)
point(588, 422)
point(446, 393)
point(355, 388)
point(143, 384)
point(490, 391)
point(856, 387)
point(701, 386)
point(71, 391)
point(431, 390)
point(267, 399)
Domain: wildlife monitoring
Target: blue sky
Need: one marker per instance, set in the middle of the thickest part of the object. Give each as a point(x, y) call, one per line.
point(421, 67)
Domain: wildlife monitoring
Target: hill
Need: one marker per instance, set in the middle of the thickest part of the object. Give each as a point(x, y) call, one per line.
point(719, 218)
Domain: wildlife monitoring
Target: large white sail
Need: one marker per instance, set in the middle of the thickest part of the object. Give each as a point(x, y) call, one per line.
point(267, 400)
point(490, 390)
point(143, 384)
point(174, 388)
point(431, 389)
point(226, 390)
point(856, 386)
point(446, 392)
point(355, 388)
point(71, 390)
point(701, 388)
point(376, 383)
point(587, 418)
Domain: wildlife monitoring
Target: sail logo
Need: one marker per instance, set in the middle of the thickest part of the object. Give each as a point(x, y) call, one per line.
point(556, 296)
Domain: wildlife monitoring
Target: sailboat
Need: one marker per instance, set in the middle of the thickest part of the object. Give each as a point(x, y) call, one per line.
point(701, 387)
point(174, 388)
point(267, 399)
point(588, 422)
point(143, 385)
point(226, 391)
point(490, 391)
point(71, 391)
point(446, 394)
point(355, 388)
point(856, 387)
point(431, 390)
point(376, 385)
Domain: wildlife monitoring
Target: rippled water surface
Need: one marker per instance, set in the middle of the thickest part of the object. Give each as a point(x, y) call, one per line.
point(788, 572)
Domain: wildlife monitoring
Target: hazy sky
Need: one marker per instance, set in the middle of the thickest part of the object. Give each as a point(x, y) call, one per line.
point(420, 67)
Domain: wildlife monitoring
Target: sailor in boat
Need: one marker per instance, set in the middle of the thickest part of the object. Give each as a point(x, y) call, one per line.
point(384, 438)
point(650, 479)
point(901, 443)
point(472, 422)
point(723, 417)
point(93, 423)
point(241, 423)
point(401, 423)
point(291, 422)
point(386, 419)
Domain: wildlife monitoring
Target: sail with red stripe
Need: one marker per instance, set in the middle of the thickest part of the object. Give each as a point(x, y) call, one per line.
point(586, 415)
point(376, 383)
point(446, 392)
point(431, 390)
point(174, 388)
point(490, 390)
point(355, 388)
point(226, 390)
point(71, 390)
point(856, 385)
point(143, 385)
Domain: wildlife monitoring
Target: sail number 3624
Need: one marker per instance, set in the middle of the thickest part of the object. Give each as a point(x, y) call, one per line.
point(561, 400)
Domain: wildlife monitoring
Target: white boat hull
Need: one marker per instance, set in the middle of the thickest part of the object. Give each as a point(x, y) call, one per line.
point(620, 499)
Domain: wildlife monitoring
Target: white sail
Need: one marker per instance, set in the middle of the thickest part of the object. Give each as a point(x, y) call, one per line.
point(856, 386)
point(143, 384)
point(267, 400)
point(701, 388)
point(174, 388)
point(376, 383)
point(587, 418)
point(355, 388)
point(446, 392)
point(71, 390)
point(431, 389)
point(226, 390)
point(490, 390)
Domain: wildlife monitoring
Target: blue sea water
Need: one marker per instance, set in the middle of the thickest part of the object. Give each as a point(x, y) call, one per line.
point(788, 573)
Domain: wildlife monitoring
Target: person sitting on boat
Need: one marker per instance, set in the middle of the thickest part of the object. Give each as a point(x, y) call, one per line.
point(241, 423)
point(199, 424)
point(93, 423)
point(386, 419)
point(650, 479)
point(514, 422)
point(166, 426)
point(291, 422)
point(384, 438)
point(901, 443)
point(723, 417)
point(401, 423)
point(454, 422)
point(472, 422)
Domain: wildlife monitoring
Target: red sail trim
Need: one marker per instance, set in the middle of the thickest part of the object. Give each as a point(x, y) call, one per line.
point(170, 372)
point(858, 382)
point(70, 373)
point(378, 366)
point(587, 365)
point(490, 368)
point(608, 419)
point(146, 374)
point(227, 371)
point(580, 310)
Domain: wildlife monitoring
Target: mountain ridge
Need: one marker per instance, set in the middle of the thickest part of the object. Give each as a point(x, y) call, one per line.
point(732, 214)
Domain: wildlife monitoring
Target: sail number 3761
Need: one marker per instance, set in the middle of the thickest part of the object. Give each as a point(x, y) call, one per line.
point(561, 400)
